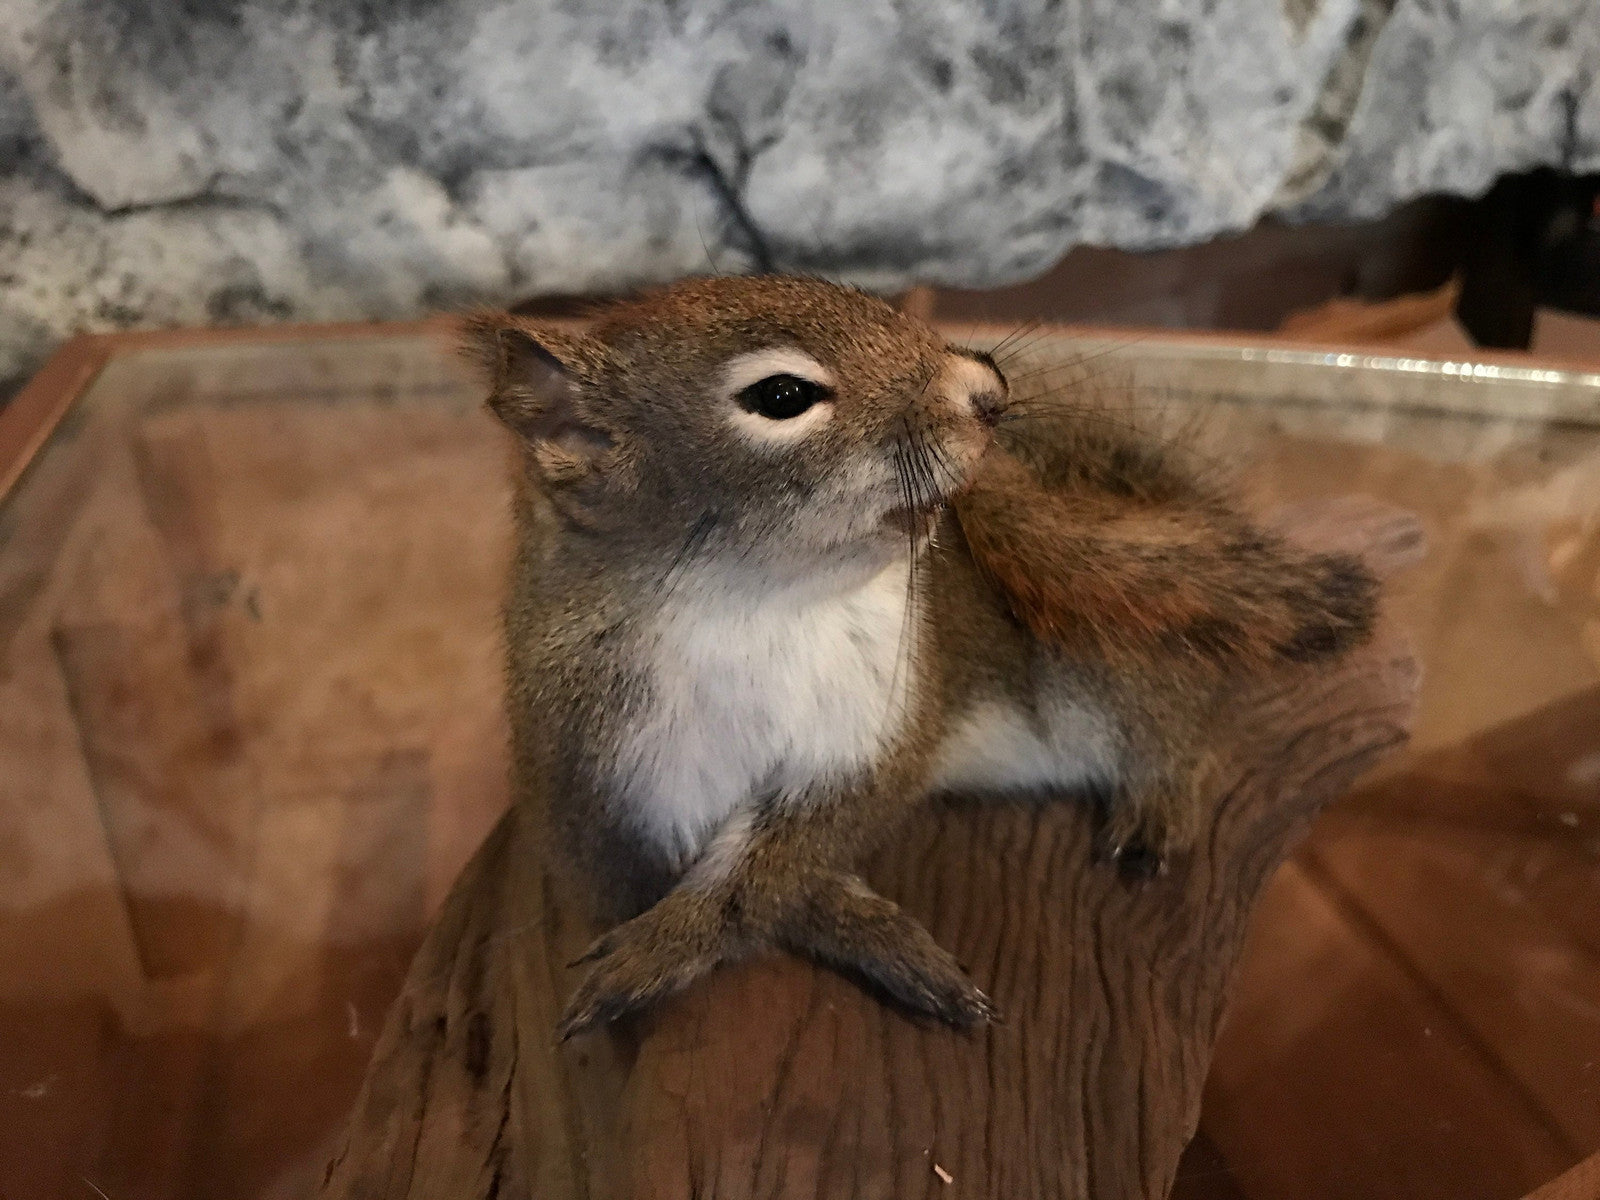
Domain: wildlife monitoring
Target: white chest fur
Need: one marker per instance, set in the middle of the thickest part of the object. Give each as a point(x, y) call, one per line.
point(749, 698)
point(1060, 742)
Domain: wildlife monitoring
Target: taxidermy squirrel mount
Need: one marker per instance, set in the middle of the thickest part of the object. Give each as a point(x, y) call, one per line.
point(788, 564)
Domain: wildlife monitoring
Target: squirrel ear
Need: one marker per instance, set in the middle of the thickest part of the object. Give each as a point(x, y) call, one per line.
point(536, 388)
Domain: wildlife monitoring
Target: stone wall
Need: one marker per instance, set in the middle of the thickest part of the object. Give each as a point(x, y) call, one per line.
point(168, 161)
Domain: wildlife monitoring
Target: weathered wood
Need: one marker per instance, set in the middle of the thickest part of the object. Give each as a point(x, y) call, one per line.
point(1580, 1183)
point(776, 1079)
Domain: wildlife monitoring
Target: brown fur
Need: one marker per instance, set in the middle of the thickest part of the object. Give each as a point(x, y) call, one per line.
point(1141, 582)
point(1088, 557)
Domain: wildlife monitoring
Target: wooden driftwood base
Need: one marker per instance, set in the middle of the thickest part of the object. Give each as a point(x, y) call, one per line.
point(776, 1079)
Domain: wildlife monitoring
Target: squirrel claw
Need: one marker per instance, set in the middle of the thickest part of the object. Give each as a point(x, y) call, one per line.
point(630, 968)
point(967, 1009)
point(581, 1017)
point(596, 951)
point(1137, 861)
point(989, 1012)
point(600, 1001)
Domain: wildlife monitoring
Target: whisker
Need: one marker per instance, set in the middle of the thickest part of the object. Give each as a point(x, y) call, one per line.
point(716, 267)
point(947, 477)
point(905, 648)
point(1165, 432)
point(1067, 416)
point(918, 472)
point(1067, 412)
point(945, 473)
point(1019, 350)
point(1082, 365)
point(1065, 398)
point(1085, 379)
point(1078, 360)
point(1022, 330)
point(698, 534)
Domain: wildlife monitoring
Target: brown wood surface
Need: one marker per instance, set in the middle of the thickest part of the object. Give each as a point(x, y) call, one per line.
point(1580, 1183)
point(297, 536)
point(776, 1079)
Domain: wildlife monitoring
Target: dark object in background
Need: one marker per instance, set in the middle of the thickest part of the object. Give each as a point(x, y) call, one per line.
point(1533, 240)
point(1569, 260)
point(1251, 281)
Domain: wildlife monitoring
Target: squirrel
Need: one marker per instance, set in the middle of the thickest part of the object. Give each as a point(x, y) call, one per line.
point(788, 564)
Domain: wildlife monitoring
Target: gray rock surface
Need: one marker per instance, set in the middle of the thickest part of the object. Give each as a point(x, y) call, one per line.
point(168, 161)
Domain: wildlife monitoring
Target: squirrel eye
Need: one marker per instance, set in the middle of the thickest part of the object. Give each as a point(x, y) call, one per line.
point(780, 397)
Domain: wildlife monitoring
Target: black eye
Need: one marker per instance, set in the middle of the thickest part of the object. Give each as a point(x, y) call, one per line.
point(781, 397)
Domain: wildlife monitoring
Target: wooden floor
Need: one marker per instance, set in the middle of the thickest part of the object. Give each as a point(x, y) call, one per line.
point(249, 730)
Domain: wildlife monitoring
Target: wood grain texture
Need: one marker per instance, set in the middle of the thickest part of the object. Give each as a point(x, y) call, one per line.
point(776, 1079)
point(1580, 1183)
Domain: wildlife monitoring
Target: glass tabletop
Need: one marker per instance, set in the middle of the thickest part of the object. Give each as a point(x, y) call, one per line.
point(250, 730)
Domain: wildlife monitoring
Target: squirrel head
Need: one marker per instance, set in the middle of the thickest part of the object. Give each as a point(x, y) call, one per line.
point(785, 426)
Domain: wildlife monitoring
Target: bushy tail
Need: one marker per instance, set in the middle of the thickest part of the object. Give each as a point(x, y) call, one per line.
point(1156, 572)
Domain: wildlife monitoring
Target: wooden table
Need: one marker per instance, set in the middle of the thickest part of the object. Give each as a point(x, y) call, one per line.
point(249, 722)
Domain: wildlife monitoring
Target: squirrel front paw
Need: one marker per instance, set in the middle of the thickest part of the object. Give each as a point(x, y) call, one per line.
point(871, 940)
point(841, 924)
point(639, 962)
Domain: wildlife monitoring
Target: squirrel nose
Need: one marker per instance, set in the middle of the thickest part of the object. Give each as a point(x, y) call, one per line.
point(988, 405)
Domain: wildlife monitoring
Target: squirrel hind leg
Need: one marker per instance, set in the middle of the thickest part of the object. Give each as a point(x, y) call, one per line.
point(1145, 822)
